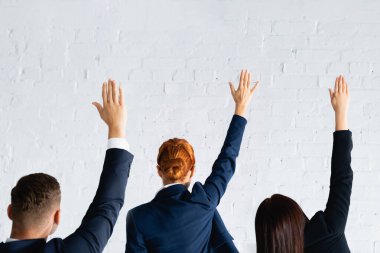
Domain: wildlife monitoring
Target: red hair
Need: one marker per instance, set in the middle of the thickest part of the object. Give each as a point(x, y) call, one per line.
point(175, 159)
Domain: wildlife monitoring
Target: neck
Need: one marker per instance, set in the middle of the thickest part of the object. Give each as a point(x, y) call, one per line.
point(28, 234)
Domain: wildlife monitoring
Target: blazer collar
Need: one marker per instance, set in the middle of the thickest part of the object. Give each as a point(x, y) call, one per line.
point(171, 191)
point(25, 245)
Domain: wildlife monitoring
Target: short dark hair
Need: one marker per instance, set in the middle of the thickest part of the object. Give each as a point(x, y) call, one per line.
point(280, 224)
point(34, 196)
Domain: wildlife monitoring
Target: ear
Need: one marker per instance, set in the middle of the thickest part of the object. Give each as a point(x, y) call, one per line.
point(57, 220)
point(57, 217)
point(192, 171)
point(159, 171)
point(9, 211)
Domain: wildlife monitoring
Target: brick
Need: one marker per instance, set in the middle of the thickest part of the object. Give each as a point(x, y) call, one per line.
point(175, 60)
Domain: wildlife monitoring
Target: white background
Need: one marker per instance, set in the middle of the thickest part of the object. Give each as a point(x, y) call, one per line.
point(175, 59)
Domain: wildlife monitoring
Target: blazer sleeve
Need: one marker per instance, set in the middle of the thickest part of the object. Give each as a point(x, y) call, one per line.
point(97, 225)
point(338, 203)
point(224, 166)
point(135, 240)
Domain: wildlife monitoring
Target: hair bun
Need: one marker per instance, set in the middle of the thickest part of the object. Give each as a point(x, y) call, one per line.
point(174, 168)
point(175, 159)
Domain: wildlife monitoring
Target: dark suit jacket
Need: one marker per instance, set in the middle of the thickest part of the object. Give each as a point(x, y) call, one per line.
point(325, 231)
point(179, 221)
point(97, 225)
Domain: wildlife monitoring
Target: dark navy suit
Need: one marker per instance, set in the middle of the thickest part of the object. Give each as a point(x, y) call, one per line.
point(97, 225)
point(179, 221)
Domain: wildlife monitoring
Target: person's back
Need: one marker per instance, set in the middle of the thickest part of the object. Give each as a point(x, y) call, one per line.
point(175, 202)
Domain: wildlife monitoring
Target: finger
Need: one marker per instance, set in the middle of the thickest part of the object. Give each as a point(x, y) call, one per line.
point(121, 95)
point(331, 93)
point(104, 93)
point(241, 79)
point(344, 85)
point(249, 80)
point(347, 91)
point(340, 84)
point(336, 85)
point(245, 78)
point(114, 93)
point(109, 89)
point(232, 88)
point(255, 86)
point(98, 106)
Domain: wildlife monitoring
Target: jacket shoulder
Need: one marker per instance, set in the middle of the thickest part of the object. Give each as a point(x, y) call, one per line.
point(55, 245)
point(141, 209)
point(199, 195)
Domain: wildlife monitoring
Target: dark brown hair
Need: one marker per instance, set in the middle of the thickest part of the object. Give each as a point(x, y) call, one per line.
point(175, 159)
point(279, 225)
point(34, 196)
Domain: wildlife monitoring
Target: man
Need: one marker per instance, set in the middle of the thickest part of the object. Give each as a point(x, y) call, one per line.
point(35, 200)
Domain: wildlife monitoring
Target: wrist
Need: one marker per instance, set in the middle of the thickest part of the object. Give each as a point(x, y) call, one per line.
point(340, 116)
point(240, 110)
point(341, 121)
point(116, 132)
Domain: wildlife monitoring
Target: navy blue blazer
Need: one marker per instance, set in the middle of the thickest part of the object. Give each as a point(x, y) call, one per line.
point(179, 221)
point(97, 225)
point(325, 230)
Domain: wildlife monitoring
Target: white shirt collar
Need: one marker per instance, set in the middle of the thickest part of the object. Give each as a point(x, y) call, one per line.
point(11, 240)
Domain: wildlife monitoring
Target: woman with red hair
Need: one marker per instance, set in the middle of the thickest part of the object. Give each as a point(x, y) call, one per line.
point(178, 220)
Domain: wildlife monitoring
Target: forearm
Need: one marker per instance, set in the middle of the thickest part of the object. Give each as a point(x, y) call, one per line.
point(97, 225)
point(231, 145)
point(224, 166)
point(341, 181)
point(113, 179)
point(341, 155)
point(240, 110)
point(338, 203)
point(341, 121)
point(109, 197)
point(116, 132)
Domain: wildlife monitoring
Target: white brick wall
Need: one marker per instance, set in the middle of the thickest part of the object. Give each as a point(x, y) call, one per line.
point(175, 58)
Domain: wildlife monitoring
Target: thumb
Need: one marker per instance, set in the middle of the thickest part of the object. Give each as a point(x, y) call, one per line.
point(255, 87)
point(331, 93)
point(232, 88)
point(98, 106)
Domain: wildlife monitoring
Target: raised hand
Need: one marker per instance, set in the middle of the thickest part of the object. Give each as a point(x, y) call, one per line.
point(243, 95)
point(339, 100)
point(113, 111)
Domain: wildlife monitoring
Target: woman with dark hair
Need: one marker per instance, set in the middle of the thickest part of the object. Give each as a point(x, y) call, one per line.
point(282, 227)
point(178, 220)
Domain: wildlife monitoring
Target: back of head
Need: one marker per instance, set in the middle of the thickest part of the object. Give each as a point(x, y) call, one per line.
point(279, 225)
point(175, 159)
point(34, 198)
